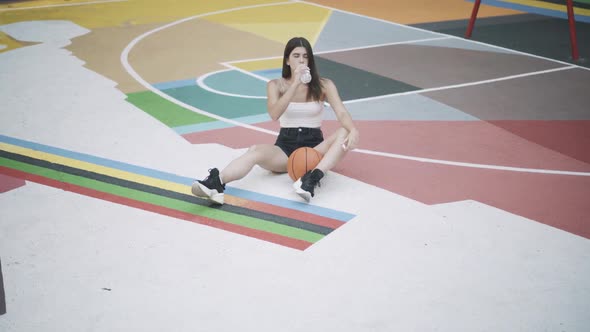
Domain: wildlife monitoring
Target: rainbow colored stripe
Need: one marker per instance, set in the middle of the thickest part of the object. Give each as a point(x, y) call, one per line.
point(288, 223)
point(547, 8)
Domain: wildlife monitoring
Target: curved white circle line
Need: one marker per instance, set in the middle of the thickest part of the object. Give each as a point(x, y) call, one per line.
point(201, 83)
point(472, 165)
point(125, 62)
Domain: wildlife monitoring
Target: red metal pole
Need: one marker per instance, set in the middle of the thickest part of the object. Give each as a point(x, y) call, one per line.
point(572, 22)
point(473, 17)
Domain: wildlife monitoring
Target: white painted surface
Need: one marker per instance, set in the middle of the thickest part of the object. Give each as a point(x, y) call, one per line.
point(398, 266)
point(404, 269)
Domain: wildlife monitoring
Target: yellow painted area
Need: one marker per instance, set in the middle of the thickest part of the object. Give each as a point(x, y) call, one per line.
point(278, 23)
point(255, 65)
point(158, 183)
point(43, 3)
point(7, 43)
point(96, 168)
point(548, 5)
point(120, 13)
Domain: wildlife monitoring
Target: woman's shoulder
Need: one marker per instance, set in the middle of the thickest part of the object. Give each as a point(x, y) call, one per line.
point(326, 82)
point(278, 83)
point(274, 82)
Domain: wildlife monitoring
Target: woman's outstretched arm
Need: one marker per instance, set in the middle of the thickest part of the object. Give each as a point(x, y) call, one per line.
point(342, 114)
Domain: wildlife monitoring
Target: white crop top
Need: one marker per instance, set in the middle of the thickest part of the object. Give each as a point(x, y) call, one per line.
point(308, 114)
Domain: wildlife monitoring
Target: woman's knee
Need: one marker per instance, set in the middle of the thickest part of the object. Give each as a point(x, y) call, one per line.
point(341, 133)
point(255, 149)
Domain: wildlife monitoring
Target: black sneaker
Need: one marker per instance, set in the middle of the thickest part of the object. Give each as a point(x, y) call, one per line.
point(307, 183)
point(211, 187)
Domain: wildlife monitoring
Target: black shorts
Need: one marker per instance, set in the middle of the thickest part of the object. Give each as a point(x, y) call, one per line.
point(290, 139)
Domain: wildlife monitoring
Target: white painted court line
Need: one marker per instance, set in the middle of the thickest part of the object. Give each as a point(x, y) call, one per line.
point(462, 85)
point(63, 5)
point(125, 62)
point(445, 35)
point(383, 45)
point(245, 72)
point(413, 92)
point(413, 41)
point(472, 165)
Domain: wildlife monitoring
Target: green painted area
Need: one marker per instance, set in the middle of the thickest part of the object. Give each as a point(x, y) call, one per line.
point(222, 105)
point(236, 82)
point(165, 111)
point(197, 210)
point(354, 83)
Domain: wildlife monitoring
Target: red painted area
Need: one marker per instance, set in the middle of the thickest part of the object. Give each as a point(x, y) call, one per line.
point(285, 212)
point(262, 235)
point(557, 145)
point(560, 201)
point(570, 138)
point(8, 183)
point(472, 142)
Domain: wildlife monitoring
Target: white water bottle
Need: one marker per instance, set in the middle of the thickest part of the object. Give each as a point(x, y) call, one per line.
point(306, 77)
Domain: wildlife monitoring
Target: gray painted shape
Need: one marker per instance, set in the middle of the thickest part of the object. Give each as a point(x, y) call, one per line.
point(559, 95)
point(403, 108)
point(464, 45)
point(348, 31)
point(49, 31)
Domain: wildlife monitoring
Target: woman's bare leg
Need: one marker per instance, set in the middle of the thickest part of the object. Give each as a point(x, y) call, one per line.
point(267, 156)
point(331, 149)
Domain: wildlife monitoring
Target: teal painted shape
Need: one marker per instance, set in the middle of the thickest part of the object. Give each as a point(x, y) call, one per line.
point(236, 82)
point(354, 83)
point(221, 105)
point(349, 31)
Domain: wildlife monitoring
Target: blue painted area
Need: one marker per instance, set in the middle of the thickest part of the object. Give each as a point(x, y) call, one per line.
point(199, 127)
point(535, 10)
point(300, 206)
point(97, 160)
point(329, 213)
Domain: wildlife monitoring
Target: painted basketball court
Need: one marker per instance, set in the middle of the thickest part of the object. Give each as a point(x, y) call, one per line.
point(465, 207)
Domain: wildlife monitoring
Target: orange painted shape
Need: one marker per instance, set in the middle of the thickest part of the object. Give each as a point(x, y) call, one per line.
point(416, 11)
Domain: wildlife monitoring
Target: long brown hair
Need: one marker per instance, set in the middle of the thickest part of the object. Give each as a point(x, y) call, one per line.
point(314, 91)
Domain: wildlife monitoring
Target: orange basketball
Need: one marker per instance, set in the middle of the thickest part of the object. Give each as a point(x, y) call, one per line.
point(302, 160)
